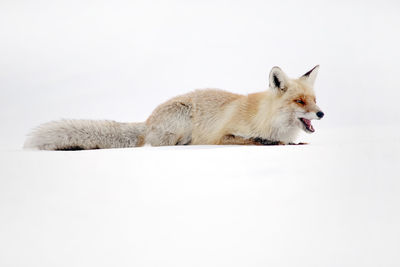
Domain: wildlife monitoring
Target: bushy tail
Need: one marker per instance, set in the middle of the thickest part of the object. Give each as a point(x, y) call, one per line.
point(86, 134)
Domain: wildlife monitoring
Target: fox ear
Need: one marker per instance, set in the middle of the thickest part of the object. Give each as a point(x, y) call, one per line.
point(311, 75)
point(278, 79)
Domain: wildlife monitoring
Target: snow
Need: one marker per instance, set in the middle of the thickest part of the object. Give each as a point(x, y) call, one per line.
point(334, 202)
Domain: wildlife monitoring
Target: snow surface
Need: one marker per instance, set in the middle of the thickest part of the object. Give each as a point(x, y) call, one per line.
point(335, 202)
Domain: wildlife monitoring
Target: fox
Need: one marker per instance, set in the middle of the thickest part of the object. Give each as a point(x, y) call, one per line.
point(201, 117)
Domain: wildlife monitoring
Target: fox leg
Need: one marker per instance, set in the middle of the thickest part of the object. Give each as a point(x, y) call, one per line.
point(267, 142)
point(238, 140)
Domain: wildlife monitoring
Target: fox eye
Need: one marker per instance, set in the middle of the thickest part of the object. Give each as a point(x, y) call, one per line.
point(300, 101)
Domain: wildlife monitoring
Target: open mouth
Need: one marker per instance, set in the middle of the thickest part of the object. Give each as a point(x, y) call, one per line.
point(307, 125)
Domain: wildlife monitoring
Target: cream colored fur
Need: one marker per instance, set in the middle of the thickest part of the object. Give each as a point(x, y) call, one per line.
point(202, 117)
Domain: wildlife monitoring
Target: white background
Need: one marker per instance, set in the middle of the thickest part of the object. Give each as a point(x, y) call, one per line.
point(335, 202)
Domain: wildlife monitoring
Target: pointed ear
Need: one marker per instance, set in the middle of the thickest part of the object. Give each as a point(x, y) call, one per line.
point(278, 79)
point(311, 75)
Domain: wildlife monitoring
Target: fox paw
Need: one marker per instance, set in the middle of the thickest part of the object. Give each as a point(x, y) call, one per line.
point(267, 142)
point(301, 143)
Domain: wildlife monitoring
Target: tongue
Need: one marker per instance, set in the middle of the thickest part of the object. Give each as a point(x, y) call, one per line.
point(308, 122)
point(308, 125)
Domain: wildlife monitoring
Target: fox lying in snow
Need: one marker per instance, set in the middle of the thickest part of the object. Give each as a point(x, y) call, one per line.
point(202, 117)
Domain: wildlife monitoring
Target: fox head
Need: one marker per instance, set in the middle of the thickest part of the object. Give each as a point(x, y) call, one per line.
point(297, 97)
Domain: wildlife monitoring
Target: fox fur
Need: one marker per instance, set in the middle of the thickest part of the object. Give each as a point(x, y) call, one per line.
point(201, 117)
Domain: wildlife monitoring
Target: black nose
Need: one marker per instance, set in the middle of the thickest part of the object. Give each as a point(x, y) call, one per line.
point(320, 114)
